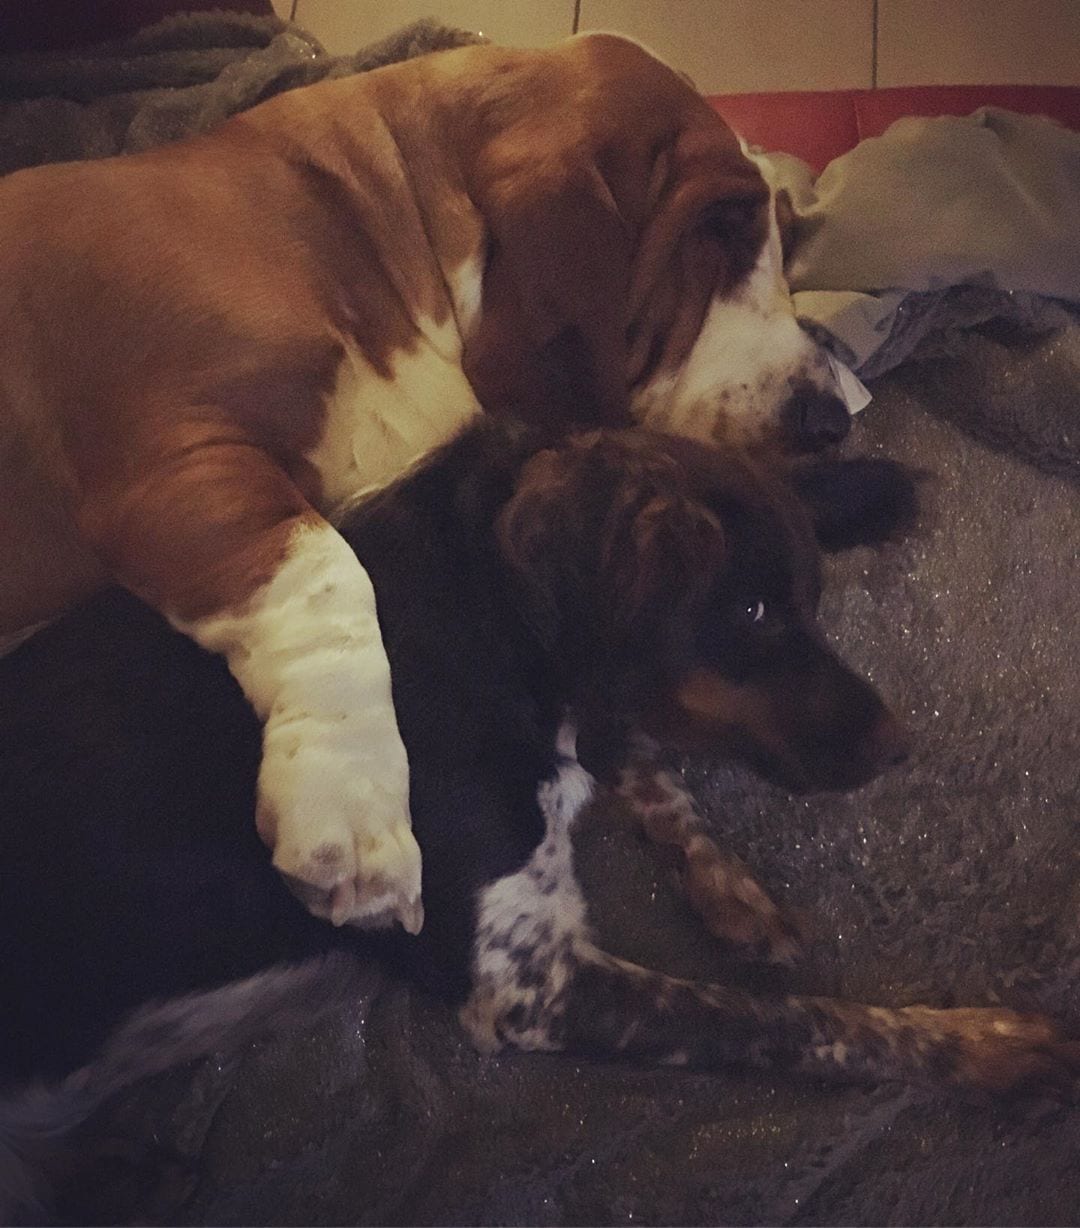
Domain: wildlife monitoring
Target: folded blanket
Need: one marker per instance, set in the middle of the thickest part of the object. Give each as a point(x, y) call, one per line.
point(936, 223)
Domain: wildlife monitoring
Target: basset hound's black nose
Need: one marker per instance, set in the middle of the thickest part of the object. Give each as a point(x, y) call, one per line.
point(814, 419)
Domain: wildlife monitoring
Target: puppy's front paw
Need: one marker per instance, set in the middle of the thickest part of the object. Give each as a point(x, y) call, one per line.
point(720, 888)
point(736, 909)
point(341, 835)
point(996, 1049)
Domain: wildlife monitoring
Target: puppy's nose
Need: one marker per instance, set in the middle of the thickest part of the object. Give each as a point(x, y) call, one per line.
point(888, 743)
point(817, 419)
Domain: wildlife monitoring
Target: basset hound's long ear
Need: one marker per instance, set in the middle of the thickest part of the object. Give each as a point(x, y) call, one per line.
point(605, 544)
point(862, 501)
point(787, 222)
point(705, 232)
point(551, 341)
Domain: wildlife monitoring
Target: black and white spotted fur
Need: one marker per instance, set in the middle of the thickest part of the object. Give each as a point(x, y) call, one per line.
point(621, 590)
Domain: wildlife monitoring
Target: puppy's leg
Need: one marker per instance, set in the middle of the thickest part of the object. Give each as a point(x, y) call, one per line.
point(214, 535)
point(602, 1007)
point(719, 885)
point(540, 982)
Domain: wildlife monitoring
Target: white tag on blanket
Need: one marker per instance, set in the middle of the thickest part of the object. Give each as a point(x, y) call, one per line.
point(853, 392)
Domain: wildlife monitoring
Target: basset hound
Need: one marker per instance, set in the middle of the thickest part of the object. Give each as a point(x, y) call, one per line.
point(208, 351)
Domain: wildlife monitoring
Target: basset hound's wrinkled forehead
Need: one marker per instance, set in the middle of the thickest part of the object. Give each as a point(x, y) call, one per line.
point(631, 246)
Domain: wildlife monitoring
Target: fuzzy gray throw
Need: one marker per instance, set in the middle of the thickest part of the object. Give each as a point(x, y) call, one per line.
point(181, 76)
point(953, 880)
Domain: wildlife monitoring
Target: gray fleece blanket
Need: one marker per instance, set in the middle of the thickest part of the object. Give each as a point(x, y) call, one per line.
point(173, 79)
point(954, 879)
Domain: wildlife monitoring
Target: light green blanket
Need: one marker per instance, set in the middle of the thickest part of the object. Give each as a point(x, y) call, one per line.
point(937, 222)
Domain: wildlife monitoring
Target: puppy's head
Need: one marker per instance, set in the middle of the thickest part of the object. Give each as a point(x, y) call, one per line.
point(677, 588)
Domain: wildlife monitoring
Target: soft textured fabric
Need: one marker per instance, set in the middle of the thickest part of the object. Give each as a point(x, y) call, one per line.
point(820, 125)
point(181, 76)
point(955, 879)
point(951, 219)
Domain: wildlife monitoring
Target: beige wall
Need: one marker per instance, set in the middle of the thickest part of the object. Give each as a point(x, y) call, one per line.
point(739, 45)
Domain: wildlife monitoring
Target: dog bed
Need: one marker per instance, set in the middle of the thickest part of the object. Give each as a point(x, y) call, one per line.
point(953, 880)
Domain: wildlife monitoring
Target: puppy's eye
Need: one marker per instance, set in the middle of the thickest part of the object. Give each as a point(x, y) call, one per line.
point(763, 618)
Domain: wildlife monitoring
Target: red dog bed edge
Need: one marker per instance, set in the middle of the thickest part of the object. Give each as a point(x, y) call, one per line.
point(819, 125)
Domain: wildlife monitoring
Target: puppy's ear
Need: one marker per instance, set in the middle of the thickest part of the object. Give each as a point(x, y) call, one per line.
point(858, 502)
point(659, 558)
point(603, 542)
point(531, 530)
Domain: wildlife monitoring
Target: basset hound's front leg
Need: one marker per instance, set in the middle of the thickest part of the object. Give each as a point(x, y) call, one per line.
point(213, 533)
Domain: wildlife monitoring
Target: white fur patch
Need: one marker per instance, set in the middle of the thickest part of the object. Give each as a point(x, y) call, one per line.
point(377, 427)
point(466, 285)
point(535, 916)
point(748, 357)
point(334, 780)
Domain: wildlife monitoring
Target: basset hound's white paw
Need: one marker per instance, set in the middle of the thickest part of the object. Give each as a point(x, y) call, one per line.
point(339, 830)
point(333, 792)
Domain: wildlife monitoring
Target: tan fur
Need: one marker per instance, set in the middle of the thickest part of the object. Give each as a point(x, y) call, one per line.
point(208, 349)
point(196, 300)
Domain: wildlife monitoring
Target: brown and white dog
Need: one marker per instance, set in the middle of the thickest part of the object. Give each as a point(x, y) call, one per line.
point(211, 349)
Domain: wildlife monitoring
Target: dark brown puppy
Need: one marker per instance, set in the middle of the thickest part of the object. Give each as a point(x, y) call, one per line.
point(622, 580)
